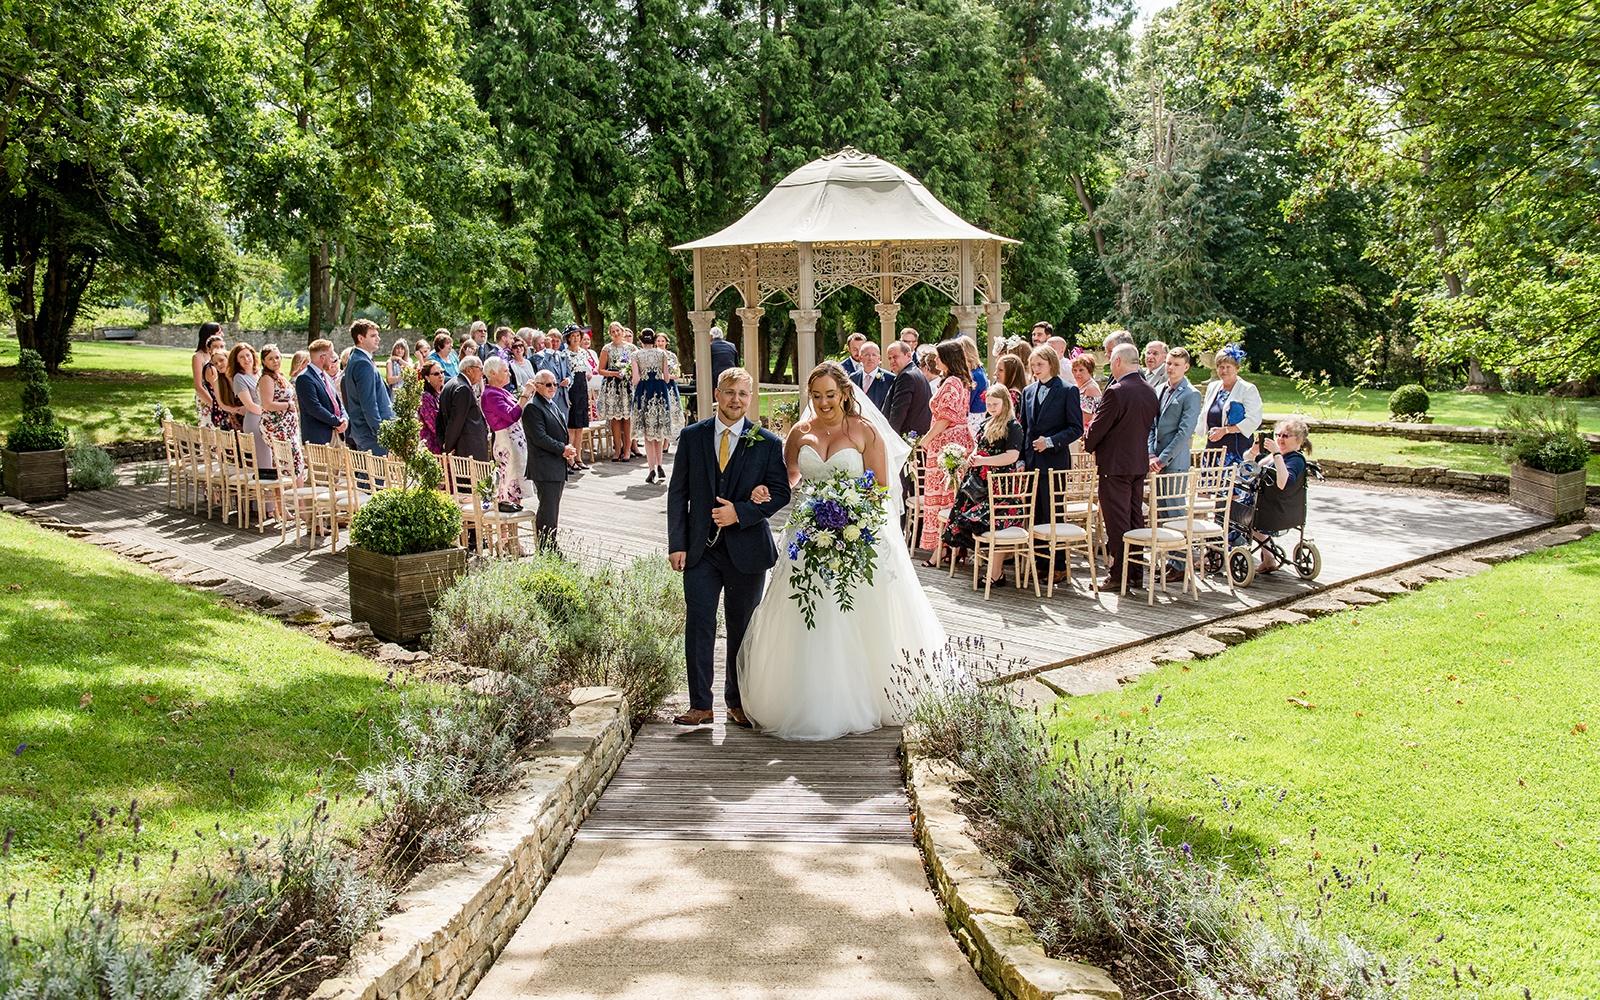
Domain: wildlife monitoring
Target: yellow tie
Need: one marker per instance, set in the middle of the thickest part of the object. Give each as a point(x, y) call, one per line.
point(722, 450)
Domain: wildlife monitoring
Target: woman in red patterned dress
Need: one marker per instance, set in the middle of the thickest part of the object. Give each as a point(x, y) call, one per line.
point(950, 405)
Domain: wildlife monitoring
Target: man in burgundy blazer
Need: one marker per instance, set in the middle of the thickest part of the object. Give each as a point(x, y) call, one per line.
point(1119, 437)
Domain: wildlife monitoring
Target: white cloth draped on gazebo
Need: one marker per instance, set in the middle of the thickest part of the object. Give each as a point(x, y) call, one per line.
point(848, 219)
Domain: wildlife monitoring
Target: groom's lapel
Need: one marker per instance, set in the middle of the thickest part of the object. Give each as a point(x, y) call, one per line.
point(710, 461)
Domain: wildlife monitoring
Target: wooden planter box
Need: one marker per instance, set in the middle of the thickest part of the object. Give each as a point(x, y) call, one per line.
point(396, 594)
point(1555, 496)
point(35, 475)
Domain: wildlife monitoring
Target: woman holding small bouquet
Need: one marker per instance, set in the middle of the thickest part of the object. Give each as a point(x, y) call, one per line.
point(949, 404)
point(845, 630)
point(1000, 442)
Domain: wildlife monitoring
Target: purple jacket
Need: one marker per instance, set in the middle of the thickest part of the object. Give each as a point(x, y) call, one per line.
point(428, 413)
point(500, 408)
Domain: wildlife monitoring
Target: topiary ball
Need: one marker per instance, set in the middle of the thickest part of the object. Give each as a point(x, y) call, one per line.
point(1410, 400)
point(396, 522)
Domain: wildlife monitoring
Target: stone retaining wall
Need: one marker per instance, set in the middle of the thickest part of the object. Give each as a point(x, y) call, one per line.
point(455, 918)
point(184, 335)
point(1426, 477)
point(1454, 433)
point(980, 907)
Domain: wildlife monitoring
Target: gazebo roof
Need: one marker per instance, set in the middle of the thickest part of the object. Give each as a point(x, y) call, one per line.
point(848, 197)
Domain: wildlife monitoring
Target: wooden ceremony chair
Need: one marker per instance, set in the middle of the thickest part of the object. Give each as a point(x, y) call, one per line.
point(368, 473)
point(190, 466)
point(169, 452)
point(1068, 523)
point(1167, 491)
point(208, 453)
point(913, 501)
point(504, 529)
point(241, 478)
point(329, 491)
point(1208, 518)
point(462, 486)
point(293, 500)
point(1011, 496)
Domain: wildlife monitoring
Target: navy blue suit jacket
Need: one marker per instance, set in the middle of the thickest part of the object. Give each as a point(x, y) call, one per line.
point(1050, 410)
point(317, 419)
point(696, 484)
point(877, 387)
point(723, 356)
point(367, 398)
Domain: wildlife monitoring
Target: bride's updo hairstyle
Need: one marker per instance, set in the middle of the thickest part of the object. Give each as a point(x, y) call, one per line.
point(832, 370)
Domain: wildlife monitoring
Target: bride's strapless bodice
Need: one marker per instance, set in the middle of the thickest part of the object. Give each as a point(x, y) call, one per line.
point(813, 467)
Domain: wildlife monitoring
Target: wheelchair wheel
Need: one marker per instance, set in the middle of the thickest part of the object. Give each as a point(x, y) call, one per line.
point(1307, 560)
point(1241, 566)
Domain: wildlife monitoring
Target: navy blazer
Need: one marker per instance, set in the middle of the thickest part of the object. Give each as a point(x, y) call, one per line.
point(1050, 410)
point(907, 403)
point(545, 425)
point(877, 387)
point(317, 418)
point(696, 484)
point(367, 398)
point(723, 356)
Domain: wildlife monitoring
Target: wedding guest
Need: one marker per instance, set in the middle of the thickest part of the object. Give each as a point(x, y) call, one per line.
point(502, 412)
point(462, 430)
point(444, 354)
point(223, 409)
point(432, 377)
point(1020, 349)
point(723, 354)
point(578, 392)
point(980, 380)
point(470, 349)
point(1155, 364)
point(616, 392)
point(395, 370)
point(1178, 412)
point(675, 368)
point(911, 338)
point(928, 364)
point(1051, 419)
point(244, 379)
point(1089, 390)
point(1232, 406)
point(1059, 345)
point(550, 455)
point(204, 399)
point(364, 395)
point(999, 448)
point(551, 358)
point(949, 427)
point(872, 379)
point(907, 405)
point(321, 411)
point(852, 346)
point(478, 339)
point(297, 364)
point(1115, 339)
point(1119, 438)
point(522, 368)
point(420, 351)
point(595, 381)
point(503, 336)
point(1012, 374)
point(652, 401)
point(279, 422)
point(1281, 500)
point(1041, 334)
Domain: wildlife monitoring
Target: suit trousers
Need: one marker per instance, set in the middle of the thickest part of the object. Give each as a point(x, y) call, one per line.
point(714, 577)
point(1120, 497)
point(544, 522)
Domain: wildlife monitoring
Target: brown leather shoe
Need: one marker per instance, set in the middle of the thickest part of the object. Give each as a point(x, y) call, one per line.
point(695, 717)
point(738, 718)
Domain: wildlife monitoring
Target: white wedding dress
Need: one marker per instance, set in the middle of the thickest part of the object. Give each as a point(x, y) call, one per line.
point(857, 670)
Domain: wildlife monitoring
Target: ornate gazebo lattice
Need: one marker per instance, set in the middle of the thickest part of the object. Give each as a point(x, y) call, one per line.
point(845, 220)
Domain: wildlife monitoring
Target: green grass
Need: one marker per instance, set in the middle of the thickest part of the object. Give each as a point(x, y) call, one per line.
point(118, 685)
point(1446, 406)
point(1454, 727)
point(107, 391)
point(1401, 451)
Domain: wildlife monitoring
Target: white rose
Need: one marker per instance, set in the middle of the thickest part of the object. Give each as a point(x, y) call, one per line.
point(850, 533)
point(824, 539)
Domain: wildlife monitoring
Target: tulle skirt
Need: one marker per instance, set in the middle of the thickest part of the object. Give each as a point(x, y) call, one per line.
point(857, 670)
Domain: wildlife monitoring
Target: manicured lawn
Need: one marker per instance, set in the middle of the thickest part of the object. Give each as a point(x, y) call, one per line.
point(1444, 742)
point(117, 685)
point(1446, 406)
point(1400, 451)
point(108, 391)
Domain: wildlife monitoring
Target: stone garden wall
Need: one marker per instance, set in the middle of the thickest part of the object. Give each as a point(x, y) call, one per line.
point(1425, 477)
point(455, 918)
point(183, 335)
point(1453, 433)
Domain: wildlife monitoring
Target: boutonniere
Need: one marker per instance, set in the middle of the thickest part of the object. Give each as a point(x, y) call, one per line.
point(752, 435)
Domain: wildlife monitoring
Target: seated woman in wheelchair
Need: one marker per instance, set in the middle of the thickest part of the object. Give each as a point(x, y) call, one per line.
point(1280, 501)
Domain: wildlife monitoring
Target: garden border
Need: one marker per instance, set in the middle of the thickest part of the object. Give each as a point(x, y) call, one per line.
point(980, 908)
point(1452, 433)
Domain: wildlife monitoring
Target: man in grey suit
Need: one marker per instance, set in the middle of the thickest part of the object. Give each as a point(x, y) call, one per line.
point(1172, 435)
point(1155, 364)
point(550, 455)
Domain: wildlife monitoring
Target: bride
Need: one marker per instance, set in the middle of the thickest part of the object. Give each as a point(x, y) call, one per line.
point(842, 676)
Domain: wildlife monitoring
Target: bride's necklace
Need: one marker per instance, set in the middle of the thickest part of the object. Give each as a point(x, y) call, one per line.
point(827, 436)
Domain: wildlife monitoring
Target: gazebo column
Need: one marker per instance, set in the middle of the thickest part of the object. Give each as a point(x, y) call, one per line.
point(805, 331)
point(750, 351)
point(966, 320)
point(888, 314)
point(995, 315)
point(702, 320)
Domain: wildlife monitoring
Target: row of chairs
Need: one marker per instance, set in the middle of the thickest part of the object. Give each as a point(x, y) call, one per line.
point(219, 469)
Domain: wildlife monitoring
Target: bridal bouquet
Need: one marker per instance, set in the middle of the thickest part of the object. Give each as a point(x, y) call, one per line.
point(835, 524)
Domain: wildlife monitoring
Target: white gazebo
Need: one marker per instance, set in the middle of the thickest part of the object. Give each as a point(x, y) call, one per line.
point(848, 219)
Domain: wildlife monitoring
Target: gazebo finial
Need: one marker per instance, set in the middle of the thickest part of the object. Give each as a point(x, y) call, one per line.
point(847, 153)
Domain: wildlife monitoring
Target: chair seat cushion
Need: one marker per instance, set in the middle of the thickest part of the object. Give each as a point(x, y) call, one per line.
point(1065, 531)
point(1005, 535)
point(1142, 536)
point(1204, 529)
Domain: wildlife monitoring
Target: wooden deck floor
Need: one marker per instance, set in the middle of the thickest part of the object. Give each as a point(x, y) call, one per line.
point(612, 513)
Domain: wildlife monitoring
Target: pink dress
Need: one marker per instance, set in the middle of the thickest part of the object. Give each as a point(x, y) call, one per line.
point(949, 404)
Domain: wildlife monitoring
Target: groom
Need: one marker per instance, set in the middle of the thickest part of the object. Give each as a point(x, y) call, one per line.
point(718, 538)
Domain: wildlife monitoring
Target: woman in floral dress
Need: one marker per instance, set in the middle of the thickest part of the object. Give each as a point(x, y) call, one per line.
point(654, 400)
point(279, 421)
point(999, 449)
point(616, 392)
point(503, 413)
point(950, 405)
point(1088, 389)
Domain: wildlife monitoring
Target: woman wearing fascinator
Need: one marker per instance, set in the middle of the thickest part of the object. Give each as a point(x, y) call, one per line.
point(1232, 406)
